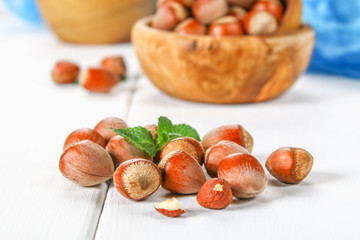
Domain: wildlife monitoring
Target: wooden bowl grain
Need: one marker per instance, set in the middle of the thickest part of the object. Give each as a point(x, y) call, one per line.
point(94, 21)
point(292, 16)
point(222, 70)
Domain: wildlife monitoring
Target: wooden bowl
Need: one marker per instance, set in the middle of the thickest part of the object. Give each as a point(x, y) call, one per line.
point(94, 21)
point(292, 16)
point(222, 69)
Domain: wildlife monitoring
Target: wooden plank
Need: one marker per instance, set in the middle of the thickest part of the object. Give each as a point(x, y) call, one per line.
point(318, 114)
point(36, 116)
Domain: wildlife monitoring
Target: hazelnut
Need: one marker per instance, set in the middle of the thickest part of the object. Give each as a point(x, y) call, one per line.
point(185, 3)
point(84, 134)
point(199, 148)
point(225, 26)
point(65, 72)
point(190, 26)
point(103, 127)
point(231, 132)
point(187, 144)
point(244, 173)
point(181, 173)
point(100, 80)
point(153, 129)
point(242, 3)
point(121, 150)
point(115, 64)
point(260, 23)
point(215, 194)
point(215, 154)
point(169, 15)
point(271, 6)
point(207, 11)
point(170, 208)
point(137, 179)
point(289, 165)
point(238, 12)
point(86, 164)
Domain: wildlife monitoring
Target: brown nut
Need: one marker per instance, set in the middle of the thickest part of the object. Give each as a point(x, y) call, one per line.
point(244, 173)
point(271, 6)
point(238, 12)
point(103, 127)
point(190, 26)
point(115, 64)
point(99, 79)
point(169, 15)
point(121, 150)
point(153, 129)
point(86, 164)
point(181, 173)
point(289, 165)
point(215, 194)
point(242, 3)
point(185, 3)
point(84, 134)
point(170, 208)
point(207, 11)
point(260, 23)
point(65, 72)
point(187, 144)
point(215, 154)
point(137, 179)
point(225, 26)
point(231, 132)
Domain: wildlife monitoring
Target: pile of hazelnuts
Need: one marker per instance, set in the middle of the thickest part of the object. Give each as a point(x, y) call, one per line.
point(218, 17)
point(96, 79)
point(92, 156)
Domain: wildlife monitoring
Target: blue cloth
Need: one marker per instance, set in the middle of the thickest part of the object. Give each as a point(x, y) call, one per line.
point(337, 27)
point(25, 9)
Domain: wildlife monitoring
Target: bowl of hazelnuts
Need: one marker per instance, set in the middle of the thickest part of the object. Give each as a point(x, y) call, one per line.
point(224, 51)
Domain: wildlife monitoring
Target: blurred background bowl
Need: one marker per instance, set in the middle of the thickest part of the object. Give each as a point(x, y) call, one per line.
point(225, 69)
point(94, 21)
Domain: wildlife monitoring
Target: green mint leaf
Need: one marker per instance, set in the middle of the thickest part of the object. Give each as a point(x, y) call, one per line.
point(185, 131)
point(167, 132)
point(164, 128)
point(140, 137)
point(143, 139)
point(174, 135)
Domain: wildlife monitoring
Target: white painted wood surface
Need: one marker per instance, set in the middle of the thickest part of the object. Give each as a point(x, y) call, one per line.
point(320, 114)
point(36, 201)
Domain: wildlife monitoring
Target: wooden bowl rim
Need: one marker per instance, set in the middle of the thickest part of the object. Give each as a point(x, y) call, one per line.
point(144, 24)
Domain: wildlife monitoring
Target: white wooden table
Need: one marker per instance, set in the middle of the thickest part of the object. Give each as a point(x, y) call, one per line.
point(320, 113)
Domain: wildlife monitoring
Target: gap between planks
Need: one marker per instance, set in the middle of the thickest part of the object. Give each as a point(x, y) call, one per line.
point(135, 78)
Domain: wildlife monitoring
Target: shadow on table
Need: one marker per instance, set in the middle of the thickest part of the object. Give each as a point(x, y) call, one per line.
point(297, 96)
point(313, 178)
point(177, 195)
point(277, 190)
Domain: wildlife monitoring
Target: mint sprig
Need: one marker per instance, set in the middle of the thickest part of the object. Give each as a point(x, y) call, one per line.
point(165, 126)
point(167, 131)
point(140, 137)
point(185, 130)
